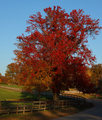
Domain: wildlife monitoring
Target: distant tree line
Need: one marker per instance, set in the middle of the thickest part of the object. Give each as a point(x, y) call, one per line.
point(13, 75)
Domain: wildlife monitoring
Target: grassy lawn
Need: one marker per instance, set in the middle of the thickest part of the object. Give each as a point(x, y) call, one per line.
point(6, 94)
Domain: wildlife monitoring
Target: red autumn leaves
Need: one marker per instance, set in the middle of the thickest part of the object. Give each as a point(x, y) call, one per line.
point(54, 43)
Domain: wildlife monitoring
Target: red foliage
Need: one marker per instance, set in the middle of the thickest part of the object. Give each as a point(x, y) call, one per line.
point(59, 40)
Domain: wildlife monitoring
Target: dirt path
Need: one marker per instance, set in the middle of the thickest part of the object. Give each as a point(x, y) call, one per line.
point(94, 113)
point(11, 88)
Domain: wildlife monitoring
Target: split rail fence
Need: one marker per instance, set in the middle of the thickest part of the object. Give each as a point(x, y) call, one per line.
point(8, 107)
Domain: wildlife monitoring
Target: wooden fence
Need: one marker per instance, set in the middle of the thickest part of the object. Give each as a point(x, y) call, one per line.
point(7, 107)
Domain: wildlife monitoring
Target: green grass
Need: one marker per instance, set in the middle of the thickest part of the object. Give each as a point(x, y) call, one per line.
point(6, 94)
point(11, 95)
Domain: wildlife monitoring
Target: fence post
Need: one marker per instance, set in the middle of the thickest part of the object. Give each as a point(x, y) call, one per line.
point(17, 109)
point(45, 106)
point(31, 107)
point(23, 109)
point(0, 104)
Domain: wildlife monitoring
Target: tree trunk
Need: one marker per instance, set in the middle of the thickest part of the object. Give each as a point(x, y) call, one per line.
point(55, 96)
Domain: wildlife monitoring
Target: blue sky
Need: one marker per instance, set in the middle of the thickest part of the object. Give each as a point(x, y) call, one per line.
point(15, 13)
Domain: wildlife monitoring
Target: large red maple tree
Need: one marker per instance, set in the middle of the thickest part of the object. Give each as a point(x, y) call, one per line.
point(58, 44)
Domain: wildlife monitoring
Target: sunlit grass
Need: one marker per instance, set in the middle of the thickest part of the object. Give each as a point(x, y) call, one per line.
point(6, 94)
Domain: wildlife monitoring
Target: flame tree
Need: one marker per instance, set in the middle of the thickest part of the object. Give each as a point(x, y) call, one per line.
point(55, 50)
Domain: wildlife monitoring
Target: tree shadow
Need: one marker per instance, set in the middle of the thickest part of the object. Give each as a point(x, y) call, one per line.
point(28, 96)
point(35, 96)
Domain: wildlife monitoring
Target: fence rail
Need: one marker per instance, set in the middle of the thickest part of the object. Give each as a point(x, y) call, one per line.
point(7, 107)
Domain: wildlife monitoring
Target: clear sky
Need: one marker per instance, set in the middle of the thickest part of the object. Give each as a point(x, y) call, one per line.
point(15, 13)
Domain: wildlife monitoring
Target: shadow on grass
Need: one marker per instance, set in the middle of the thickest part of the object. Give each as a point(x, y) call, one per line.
point(42, 115)
point(35, 96)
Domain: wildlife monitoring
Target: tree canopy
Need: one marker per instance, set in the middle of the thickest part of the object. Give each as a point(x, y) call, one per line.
point(55, 50)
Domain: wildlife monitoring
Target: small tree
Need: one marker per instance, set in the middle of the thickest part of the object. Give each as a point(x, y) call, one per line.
point(59, 41)
point(11, 73)
point(3, 79)
point(96, 76)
